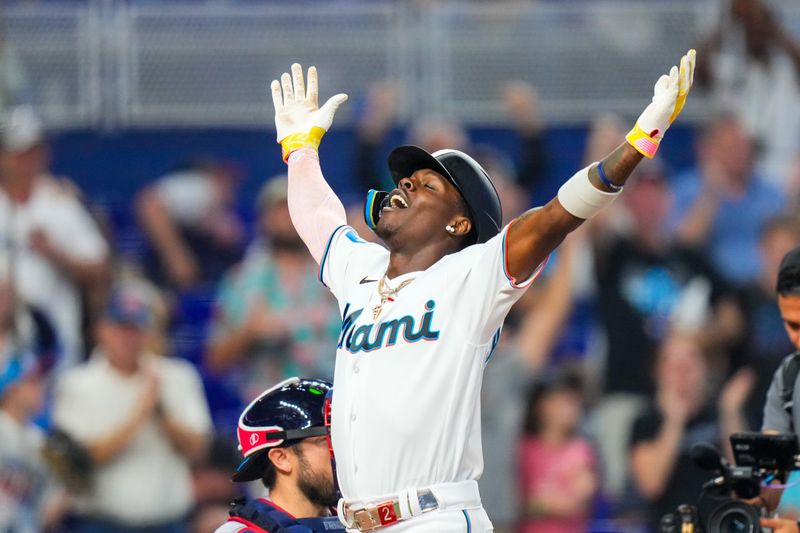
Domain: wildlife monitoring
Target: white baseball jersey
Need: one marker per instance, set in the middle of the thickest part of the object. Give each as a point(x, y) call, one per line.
point(406, 401)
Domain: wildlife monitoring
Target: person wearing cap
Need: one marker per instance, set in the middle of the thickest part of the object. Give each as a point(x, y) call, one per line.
point(283, 436)
point(49, 243)
point(30, 496)
point(422, 317)
point(781, 412)
point(142, 418)
point(272, 319)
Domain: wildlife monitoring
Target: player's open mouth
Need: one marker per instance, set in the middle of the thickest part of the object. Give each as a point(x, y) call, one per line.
point(396, 200)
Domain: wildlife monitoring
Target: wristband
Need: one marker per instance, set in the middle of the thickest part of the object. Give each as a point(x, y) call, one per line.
point(607, 182)
point(296, 141)
point(582, 199)
point(642, 141)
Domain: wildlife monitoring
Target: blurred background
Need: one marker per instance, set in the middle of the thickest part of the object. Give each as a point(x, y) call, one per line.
point(151, 283)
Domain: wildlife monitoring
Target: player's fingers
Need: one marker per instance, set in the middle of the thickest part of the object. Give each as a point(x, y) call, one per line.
point(286, 83)
point(277, 96)
point(311, 93)
point(692, 61)
point(673, 81)
point(297, 80)
point(674, 75)
point(333, 103)
point(685, 73)
point(661, 85)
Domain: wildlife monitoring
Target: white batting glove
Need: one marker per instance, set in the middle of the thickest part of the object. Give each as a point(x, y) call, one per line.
point(299, 121)
point(669, 97)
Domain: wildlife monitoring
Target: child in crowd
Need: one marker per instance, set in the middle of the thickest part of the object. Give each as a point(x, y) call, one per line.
point(557, 468)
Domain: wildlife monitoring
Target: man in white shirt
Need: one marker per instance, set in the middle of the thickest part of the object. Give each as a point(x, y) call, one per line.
point(142, 417)
point(49, 244)
point(422, 318)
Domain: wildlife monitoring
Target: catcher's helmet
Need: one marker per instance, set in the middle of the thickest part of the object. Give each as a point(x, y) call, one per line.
point(290, 411)
point(463, 172)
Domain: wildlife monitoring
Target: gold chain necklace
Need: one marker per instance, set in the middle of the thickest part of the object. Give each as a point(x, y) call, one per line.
point(387, 294)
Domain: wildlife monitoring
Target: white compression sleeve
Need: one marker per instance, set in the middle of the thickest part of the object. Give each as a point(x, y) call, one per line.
point(315, 209)
point(582, 199)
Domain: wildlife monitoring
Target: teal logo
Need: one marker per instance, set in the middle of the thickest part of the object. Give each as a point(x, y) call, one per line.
point(370, 337)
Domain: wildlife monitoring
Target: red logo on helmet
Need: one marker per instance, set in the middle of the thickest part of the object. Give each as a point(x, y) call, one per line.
point(252, 439)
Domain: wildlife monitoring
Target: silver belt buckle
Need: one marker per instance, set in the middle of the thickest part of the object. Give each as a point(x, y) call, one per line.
point(427, 500)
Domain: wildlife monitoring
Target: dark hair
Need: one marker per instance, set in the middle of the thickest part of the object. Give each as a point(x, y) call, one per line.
point(565, 382)
point(269, 475)
point(789, 274)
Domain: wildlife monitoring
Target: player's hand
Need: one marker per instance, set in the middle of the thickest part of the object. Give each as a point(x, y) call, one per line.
point(780, 525)
point(669, 97)
point(299, 121)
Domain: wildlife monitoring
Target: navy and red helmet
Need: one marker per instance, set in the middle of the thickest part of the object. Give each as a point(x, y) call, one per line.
point(292, 410)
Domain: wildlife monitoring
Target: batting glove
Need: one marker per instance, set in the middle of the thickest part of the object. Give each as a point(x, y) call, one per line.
point(669, 97)
point(299, 121)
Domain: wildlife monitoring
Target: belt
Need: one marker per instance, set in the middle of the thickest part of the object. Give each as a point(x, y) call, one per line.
point(376, 513)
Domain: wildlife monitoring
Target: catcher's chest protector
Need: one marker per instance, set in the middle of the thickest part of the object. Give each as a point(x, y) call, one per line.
point(259, 516)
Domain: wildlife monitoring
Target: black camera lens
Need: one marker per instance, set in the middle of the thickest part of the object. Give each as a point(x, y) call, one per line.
point(734, 517)
point(735, 522)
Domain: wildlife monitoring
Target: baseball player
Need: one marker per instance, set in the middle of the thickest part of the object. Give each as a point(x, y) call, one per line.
point(283, 436)
point(420, 320)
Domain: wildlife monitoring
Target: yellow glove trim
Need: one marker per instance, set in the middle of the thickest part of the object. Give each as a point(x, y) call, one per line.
point(684, 85)
point(679, 103)
point(296, 141)
point(644, 144)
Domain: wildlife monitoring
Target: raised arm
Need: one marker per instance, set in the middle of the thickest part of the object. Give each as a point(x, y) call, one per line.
point(537, 232)
point(315, 209)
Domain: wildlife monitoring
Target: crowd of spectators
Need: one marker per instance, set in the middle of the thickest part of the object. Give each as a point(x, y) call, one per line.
point(652, 328)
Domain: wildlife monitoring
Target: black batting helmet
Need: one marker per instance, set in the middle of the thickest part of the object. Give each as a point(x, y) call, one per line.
point(290, 411)
point(463, 172)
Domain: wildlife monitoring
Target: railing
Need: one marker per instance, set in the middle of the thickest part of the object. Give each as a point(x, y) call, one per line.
point(59, 52)
point(113, 64)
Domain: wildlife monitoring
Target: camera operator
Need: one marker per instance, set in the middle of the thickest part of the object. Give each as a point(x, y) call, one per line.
point(780, 416)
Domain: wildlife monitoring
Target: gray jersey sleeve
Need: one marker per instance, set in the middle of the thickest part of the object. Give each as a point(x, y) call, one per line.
point(775, 416)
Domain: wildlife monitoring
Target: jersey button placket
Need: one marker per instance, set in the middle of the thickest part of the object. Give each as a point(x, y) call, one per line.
point(355, 368)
